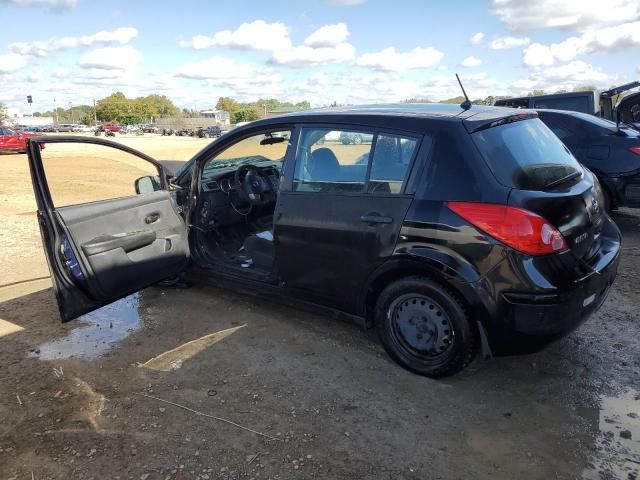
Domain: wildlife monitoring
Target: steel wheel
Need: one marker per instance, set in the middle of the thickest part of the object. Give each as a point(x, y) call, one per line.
point(421, 325)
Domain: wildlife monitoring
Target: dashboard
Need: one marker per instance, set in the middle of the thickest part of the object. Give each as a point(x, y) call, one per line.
point(218, 205)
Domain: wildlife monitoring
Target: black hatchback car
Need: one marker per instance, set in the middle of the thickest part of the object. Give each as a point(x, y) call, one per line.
point(611, 152)
point(453, 231)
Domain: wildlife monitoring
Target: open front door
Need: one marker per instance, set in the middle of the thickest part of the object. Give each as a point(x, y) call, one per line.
point(129, 234)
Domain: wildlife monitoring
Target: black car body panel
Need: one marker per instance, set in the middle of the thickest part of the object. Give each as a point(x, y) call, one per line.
point(605, 149)
point(342, 248)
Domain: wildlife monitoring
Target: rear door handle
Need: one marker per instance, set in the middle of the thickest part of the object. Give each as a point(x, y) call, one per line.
point(373, 218)
point(151, 218)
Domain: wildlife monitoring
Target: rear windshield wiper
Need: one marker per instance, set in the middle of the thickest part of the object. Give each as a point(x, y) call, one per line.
point(566, 178)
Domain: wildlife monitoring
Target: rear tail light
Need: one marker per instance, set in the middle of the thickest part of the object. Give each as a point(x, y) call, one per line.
point(518, 228)
point(635, 150)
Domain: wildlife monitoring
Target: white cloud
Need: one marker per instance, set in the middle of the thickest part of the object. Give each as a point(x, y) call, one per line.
point(608, 39)
point(325, 45)
point(61, 72)
point(574, 15)
point(11, 62)
point(216, 68)
point(565, 77)
point(328, 36)
point(256, 35)
point(239, 80)
point(536, 55)
point(48, 3)
point(471, 62)
point(504, 43)
point(392, 61)
point(477, 38)
point(303, 55)
point(43, 48)
point(111, 58)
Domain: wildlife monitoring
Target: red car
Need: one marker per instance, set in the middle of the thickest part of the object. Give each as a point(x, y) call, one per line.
point(111, 127)
point(14, 141)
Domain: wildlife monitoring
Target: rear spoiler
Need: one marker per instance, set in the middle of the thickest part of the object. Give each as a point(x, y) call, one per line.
point(484, 120)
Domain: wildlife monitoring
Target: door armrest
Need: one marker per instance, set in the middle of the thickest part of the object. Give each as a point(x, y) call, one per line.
point(127, 241)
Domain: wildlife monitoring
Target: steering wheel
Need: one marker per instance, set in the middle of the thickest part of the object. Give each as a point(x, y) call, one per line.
point(252, 186)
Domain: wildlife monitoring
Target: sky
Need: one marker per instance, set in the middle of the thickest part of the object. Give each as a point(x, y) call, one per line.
point(68, 52)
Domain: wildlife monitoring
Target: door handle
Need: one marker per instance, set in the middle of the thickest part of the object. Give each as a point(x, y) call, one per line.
point(375, 218)
point(151, 218)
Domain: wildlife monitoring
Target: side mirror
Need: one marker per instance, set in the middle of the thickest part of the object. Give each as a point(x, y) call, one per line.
point(148, 184)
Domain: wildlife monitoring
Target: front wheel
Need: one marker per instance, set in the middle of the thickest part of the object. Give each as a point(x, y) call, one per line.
point(357, 139)
point(425, 328)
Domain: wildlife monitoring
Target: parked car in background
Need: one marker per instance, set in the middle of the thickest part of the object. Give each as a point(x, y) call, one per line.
point(150, 129)
point(611, 152)
point(462, 230)
point(65, 127)
point(355, 138)
point(14, 141)
point(209, 132)
point(111, 127)
point(609, 104)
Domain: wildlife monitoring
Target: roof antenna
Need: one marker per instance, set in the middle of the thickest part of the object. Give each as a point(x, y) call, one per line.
point(466, 105)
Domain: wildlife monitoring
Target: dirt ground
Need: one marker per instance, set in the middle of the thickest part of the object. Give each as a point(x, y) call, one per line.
point(309, 396)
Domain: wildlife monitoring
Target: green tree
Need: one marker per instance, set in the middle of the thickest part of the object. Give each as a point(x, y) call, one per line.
point(457, 100)
point(536, 93)
point(245, 114)
point(117, 107)
point(227, 104)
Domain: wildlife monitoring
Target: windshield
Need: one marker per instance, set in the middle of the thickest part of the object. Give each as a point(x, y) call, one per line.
point(526, 155)
point(260, 150)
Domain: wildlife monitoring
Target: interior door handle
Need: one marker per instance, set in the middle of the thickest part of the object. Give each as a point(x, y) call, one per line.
point(151, 218)
point(375, 218)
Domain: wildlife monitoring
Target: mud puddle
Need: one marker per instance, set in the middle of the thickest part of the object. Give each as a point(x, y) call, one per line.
point(618, 442)
point(96, 333)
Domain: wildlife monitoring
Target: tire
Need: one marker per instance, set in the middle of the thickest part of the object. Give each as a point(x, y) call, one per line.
point(609, 206)
point(357, 139)
point(438, 343)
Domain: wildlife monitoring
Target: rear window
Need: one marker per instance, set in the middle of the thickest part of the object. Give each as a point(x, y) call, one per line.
point(525, 154)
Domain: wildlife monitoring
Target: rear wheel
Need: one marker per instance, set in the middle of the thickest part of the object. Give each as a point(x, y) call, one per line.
point(425, 328)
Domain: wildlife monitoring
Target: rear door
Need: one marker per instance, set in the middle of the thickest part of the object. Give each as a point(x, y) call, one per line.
point(129, 237)
point(340, 216)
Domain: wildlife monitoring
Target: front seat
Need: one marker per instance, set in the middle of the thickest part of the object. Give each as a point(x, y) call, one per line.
point(323, 166)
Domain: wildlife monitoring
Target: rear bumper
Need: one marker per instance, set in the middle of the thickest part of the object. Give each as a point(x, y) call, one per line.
point(532, 302)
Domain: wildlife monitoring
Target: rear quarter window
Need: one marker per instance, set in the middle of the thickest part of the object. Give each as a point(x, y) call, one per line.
point(525, 154)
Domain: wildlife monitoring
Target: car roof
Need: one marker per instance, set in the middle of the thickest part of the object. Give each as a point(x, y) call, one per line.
point(404, 115)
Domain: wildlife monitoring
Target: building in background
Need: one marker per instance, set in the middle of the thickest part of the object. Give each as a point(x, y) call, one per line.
point(220, 116)
point(28, 120)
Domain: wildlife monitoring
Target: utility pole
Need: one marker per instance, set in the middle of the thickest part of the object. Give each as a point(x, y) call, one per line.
point(55, 109)
point(95, 113)
point(71, 108)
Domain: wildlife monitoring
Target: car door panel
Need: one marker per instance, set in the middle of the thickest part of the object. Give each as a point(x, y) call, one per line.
point(101, 251)
point(128, 244)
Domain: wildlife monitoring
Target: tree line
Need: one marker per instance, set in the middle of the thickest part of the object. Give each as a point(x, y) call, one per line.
point(129, 111)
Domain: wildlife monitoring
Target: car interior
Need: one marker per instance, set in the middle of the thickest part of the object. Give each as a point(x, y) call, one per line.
point(238, 188)
point(237, 199)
